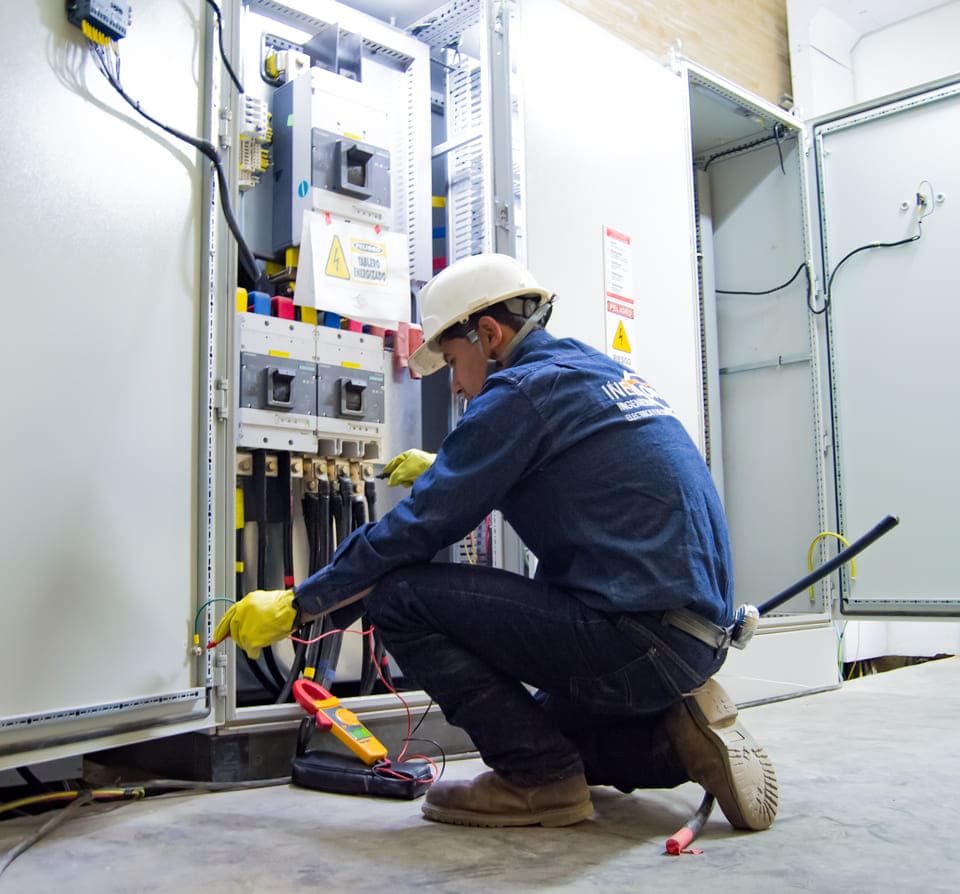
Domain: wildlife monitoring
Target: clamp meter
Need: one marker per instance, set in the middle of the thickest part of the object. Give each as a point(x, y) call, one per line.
point(342, 722)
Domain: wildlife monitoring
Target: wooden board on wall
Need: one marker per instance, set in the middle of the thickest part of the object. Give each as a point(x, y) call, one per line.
point(744, 42)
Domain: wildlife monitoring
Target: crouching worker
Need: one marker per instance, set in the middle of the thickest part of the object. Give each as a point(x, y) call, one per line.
point(625, 622)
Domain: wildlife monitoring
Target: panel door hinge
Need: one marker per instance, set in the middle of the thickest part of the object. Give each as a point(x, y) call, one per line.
point(226, 120)
point(221, 399)
point(501, 212)
point(219, 678)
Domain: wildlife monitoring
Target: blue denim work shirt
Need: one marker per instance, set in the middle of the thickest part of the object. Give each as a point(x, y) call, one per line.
point(593, 470)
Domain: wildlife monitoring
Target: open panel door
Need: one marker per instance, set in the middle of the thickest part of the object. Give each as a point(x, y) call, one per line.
point(892, 326)
point(106, 460)
point(608, 144)
point(606, 148)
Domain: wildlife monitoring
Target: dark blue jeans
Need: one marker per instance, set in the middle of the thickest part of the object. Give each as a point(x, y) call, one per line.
point(471, 636)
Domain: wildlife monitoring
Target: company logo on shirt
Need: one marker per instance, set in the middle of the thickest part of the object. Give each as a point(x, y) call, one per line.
point(635, 398)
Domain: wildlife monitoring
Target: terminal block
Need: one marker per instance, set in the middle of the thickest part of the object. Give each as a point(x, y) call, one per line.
point(256, 135)
point(100, 20)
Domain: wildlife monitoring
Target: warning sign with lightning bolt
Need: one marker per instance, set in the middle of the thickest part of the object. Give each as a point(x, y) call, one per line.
point(620, 340)
point(336, 262)
point(620, 310)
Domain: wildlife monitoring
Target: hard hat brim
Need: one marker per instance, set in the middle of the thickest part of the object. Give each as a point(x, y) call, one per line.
point(425, 361)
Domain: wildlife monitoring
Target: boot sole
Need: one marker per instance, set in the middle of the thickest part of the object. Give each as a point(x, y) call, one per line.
point(560, 816)
point(747, 788)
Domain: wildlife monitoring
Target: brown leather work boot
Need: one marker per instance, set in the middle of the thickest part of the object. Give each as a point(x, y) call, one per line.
point(489, 800)
point(722, 756)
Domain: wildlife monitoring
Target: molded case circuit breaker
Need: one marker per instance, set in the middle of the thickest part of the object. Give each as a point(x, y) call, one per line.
point(305, 387)
point(336, 197)
point(330, 153)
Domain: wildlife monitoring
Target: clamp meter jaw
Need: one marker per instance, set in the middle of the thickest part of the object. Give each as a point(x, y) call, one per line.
point(330, 716)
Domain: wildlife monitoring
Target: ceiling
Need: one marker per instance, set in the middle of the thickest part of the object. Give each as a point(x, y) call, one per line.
point(865, 16)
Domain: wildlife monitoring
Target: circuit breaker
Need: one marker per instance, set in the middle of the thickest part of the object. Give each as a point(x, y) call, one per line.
point(309, 388)
point(331, 154)
point(278, 383)
point(351, 407)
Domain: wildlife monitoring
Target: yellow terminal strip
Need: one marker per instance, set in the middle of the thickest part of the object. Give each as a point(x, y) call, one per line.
point(241, 301)
point(94, 34)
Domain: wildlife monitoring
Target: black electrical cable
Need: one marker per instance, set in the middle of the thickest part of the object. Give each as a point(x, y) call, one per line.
point(48, 826)
point(273, 680)
point(295, 668)
point(755, 144)
point(247, 258)
point(802, 267)
point(423, 717)
point(285, 481)
point(265, 514)
point(257, 493)
point(252, 663)
point(279, 677)
point(136, 790)
point(223, 52)
point(442, 754)
point(310, 503)
point(359, 513)
point(372, 657)
point(318, 561)
point(341, 506)
point(778, 132)
point(325, 660)
point(827, 296)
point(345, 522)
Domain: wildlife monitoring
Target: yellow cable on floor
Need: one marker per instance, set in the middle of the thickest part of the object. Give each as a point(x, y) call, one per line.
point(135, 793)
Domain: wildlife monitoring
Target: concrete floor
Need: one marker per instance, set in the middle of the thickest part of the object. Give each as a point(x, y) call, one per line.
point(868, 794)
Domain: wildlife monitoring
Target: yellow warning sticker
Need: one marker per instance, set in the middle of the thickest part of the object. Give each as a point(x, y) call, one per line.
point(336, 262)
point(368, 262)
point(620, 340)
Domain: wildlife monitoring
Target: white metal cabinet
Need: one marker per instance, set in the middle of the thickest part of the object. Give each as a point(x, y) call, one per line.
point(103, 473)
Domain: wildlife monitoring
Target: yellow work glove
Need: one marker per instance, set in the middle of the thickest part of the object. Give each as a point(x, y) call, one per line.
point(259, 619)
point(407, 467)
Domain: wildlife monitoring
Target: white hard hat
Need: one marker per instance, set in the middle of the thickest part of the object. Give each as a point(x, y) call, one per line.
point(462, 289)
